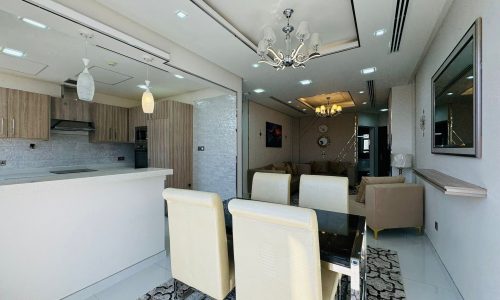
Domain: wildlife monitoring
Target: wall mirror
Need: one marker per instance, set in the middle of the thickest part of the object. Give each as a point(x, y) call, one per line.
point(456, 99)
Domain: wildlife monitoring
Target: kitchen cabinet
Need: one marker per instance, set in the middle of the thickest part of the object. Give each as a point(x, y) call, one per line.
point(70, 109)
point(136, 118)
point(111, 124)
point(24, 114)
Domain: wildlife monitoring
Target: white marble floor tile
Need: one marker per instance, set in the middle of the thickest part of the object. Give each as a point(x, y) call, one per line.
point(136, 285)
point(421, 291)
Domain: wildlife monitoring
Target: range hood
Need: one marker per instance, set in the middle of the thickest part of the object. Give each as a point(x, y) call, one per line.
point(67, 125)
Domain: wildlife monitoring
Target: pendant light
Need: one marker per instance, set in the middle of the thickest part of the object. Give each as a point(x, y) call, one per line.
point(85, 86)
point(148, 101)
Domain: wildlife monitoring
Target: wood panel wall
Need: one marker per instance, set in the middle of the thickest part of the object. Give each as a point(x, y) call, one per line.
point(170, 141)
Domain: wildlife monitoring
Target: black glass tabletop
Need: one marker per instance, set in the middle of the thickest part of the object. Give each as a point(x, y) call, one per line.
point(340, 235)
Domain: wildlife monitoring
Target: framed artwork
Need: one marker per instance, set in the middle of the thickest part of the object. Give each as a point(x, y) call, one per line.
point(273, 135)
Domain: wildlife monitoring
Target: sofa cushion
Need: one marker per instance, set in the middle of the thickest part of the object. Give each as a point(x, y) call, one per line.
point(375, 180)
point(288, 167)
point(279, 166)
point(295, 169)
point(319, 167)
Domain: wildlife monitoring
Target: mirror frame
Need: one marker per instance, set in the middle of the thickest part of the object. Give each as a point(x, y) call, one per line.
point(474, 32)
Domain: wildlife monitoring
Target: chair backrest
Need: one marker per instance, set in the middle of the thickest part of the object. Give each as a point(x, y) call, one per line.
point(276, 251)
point(324, 192)
point(198, 243)
point(271, 187)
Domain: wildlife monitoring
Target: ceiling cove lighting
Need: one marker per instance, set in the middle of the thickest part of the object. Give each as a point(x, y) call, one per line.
point(33, 23)
point(85, 86)
point(259, 91)
point(179, 76)
point(147, 101)
point(13, 52)
point(380, 32)
point(305, 82)
point(181, 14)
point(384, 109)
point(369, 70)
point(289, 57)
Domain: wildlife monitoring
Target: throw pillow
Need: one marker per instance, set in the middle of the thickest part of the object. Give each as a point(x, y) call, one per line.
point(279, 166)
point(375, 180)
point(295, 169)
point(288, 167)
point(319, 167)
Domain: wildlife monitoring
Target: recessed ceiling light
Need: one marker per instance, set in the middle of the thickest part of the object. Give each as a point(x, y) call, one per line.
point(380, 32)
point(470, 77)
point(258, 91)
point(384, 109)
point(181, 14)
point(33, 23)
point(179, 76)
point(289, 102)
point(13, 52)
point(449, 94)
point(142, 86)
point(368, 70)
point(361, 92)
point(305, 82)
point(303, 109)
point(364, 103)
point(255, 65)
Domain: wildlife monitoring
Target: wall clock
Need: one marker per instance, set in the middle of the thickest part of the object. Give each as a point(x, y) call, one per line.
point(323, 141)
point(323, 128)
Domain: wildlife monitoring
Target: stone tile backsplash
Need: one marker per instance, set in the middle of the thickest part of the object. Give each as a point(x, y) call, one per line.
point(62, 150)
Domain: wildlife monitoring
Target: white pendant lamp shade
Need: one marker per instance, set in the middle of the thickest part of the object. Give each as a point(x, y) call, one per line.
point(148, 101)
point(85, 86)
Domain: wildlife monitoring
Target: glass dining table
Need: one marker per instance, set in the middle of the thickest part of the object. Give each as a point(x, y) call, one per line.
point(342, 243)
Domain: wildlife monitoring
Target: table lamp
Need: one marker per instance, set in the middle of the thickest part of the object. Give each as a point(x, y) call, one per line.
point(401, 161)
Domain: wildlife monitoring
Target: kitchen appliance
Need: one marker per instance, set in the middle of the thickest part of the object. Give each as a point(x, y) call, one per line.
point(67, 125)
point(141, 147)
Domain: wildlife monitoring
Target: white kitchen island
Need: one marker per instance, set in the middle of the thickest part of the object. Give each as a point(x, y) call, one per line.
point(62, 233)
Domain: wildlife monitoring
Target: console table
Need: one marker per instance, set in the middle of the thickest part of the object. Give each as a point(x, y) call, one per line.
point(450, 185)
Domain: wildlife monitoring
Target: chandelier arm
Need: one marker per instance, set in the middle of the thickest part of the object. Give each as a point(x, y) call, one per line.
point(297, 51)
point(273, 64)
point(273, 52)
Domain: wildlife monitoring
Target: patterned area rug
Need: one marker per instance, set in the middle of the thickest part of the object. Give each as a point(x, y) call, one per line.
point(383, 281)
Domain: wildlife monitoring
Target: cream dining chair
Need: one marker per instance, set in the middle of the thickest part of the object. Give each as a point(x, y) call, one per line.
point(271, 187)
point(198, 243)
point(324, 192)
point(276, 252)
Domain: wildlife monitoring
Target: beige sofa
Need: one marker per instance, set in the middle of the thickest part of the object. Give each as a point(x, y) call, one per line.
point(389, 205)
point(281, 168)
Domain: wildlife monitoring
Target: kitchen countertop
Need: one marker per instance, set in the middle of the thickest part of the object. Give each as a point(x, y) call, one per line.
point(45, 175)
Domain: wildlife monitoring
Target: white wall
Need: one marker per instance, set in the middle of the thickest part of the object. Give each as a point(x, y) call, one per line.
point(259, 154)
point(467, 240)
point(402, 118)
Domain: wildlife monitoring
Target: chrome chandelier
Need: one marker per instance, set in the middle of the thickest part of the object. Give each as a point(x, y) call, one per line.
point(328, 111)
point(289, 57)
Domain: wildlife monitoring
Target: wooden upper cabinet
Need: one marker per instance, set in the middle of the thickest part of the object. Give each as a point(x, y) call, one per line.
point(28, 114)
point(136, 118)
point(70, 109)
point(111, 124)
point(4, 114)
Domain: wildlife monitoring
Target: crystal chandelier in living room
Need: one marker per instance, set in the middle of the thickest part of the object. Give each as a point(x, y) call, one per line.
point(289, 57)
point(328, 111)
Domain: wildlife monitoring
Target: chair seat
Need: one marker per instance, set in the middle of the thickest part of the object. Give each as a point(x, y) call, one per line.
point(329, 283)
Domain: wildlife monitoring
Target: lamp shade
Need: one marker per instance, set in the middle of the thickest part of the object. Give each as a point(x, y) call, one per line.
point(262, 48)
point(401, 160)
point(269, 35)
point(148, 101)
point(303, 31)
point(315, 42)
point(85, 87)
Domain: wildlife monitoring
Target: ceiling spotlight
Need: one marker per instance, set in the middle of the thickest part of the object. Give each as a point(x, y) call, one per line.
point(305, 82)
point(380, 32)
point(255, 65)
point(33, 23)
point(258, 91)
point(364, 103)
point(289, 102)
point(449, 94)
point(181, 14)
point(13, 52)
point(368, 70)
point(303, 109)
point(470, 77)
point(179, 76)
point(384, 109)
point(361, 92)
point(142, 86)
